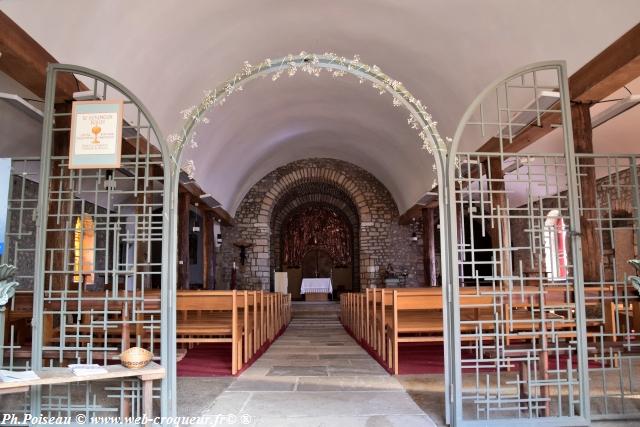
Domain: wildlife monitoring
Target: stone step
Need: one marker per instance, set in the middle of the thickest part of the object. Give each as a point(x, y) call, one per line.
point(316, 322)
point(316, 313)
point(319, 309)
point(324, 320)
point(314, 316)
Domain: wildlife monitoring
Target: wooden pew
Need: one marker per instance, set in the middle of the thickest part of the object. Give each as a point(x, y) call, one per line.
point(260, 317)
point(383, 318)
point(211, 317)
point(247, 307)
point(416, 316)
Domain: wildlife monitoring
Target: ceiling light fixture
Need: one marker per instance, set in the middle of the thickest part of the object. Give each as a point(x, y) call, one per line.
point(615, 110)
point(86, 95)
point(21, 104)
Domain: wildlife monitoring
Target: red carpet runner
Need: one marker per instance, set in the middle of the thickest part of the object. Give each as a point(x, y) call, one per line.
point(428, 358)
point(214, 360)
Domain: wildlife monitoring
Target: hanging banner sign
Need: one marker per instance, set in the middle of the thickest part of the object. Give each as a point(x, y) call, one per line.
point(96, 134)
point(5, 176)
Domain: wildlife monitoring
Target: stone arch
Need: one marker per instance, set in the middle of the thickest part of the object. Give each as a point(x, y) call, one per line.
point(316, 174)
point(380, 237)
point(337, 66)
point(314, 193)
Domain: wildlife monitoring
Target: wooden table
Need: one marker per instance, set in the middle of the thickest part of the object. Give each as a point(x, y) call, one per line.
point(316, 297)
point(316, 289)
point(147, 375)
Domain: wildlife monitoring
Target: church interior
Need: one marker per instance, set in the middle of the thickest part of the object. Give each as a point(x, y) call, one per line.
point(363, 213)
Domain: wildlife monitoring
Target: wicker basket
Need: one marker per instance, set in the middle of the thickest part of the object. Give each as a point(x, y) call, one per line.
point(135, 358)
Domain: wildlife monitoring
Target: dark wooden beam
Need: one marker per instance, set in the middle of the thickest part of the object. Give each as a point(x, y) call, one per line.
point(25, 61)
point(583, 143)
point(196, 192)
point(429, 246)
point(184, 204)
point(58, 235)
point(461, 243)
point(613, 68)
point(144, 201)
point(414, 212)
point(610, 70)
point(224, 216)
point(500, 223)
point(530, 134)
point(208, 250)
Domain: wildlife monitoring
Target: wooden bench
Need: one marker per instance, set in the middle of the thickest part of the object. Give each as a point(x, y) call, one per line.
point(210, 317)
point(260, 316)
point(248, 320)
point(53, 376)
point(383, 318)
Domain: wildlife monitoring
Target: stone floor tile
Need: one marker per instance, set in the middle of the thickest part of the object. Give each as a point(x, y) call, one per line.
point(282, 383)
point(300, 371)
point(317, 404)
point(314, 375)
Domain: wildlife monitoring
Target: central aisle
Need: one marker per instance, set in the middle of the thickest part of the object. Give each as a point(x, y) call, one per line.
point(315, 374)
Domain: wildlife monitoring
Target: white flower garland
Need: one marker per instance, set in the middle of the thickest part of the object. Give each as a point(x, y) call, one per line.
point(311, 64)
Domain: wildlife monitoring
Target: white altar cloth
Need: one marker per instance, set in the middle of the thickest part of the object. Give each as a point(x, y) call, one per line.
point(316, 286)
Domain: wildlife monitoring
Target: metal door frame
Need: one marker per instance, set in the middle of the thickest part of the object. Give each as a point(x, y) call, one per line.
point(454, 319)
point(169, 225)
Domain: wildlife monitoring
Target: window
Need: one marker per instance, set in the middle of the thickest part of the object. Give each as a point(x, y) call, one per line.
point(84, 244)
point(555, 246)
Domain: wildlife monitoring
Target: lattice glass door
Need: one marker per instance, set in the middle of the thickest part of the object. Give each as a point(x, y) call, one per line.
point(517, 298)
point(612, 209)
point(102, 258)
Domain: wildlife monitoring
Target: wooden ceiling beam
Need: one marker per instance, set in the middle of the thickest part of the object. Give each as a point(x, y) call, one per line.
point(414, 212)
point(610, 70)
point(196, 192)
point(25, 61)
point(607, 72)
point(613, 68)
point(530, 134)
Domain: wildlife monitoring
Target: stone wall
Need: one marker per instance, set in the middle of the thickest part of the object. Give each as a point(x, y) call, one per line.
point(21, 229)
point(382, 240)
point(21, 232)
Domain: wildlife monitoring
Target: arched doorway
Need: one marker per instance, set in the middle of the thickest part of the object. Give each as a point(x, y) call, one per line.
point(419, 119)
point(317, 241)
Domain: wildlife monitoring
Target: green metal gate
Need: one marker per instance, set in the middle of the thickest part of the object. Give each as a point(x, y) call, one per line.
point(519, 337)
point(612, 304)
point(104, 265)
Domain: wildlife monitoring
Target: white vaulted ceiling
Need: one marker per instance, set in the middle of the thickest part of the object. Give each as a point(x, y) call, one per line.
point(445, 52)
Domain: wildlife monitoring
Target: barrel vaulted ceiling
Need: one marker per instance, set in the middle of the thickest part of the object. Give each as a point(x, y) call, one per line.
point(445, 52)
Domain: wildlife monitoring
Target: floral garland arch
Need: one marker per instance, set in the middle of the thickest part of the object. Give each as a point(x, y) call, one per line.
point(311, 64)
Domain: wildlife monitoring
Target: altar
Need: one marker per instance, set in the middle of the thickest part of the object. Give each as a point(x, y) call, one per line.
point(316, 289)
